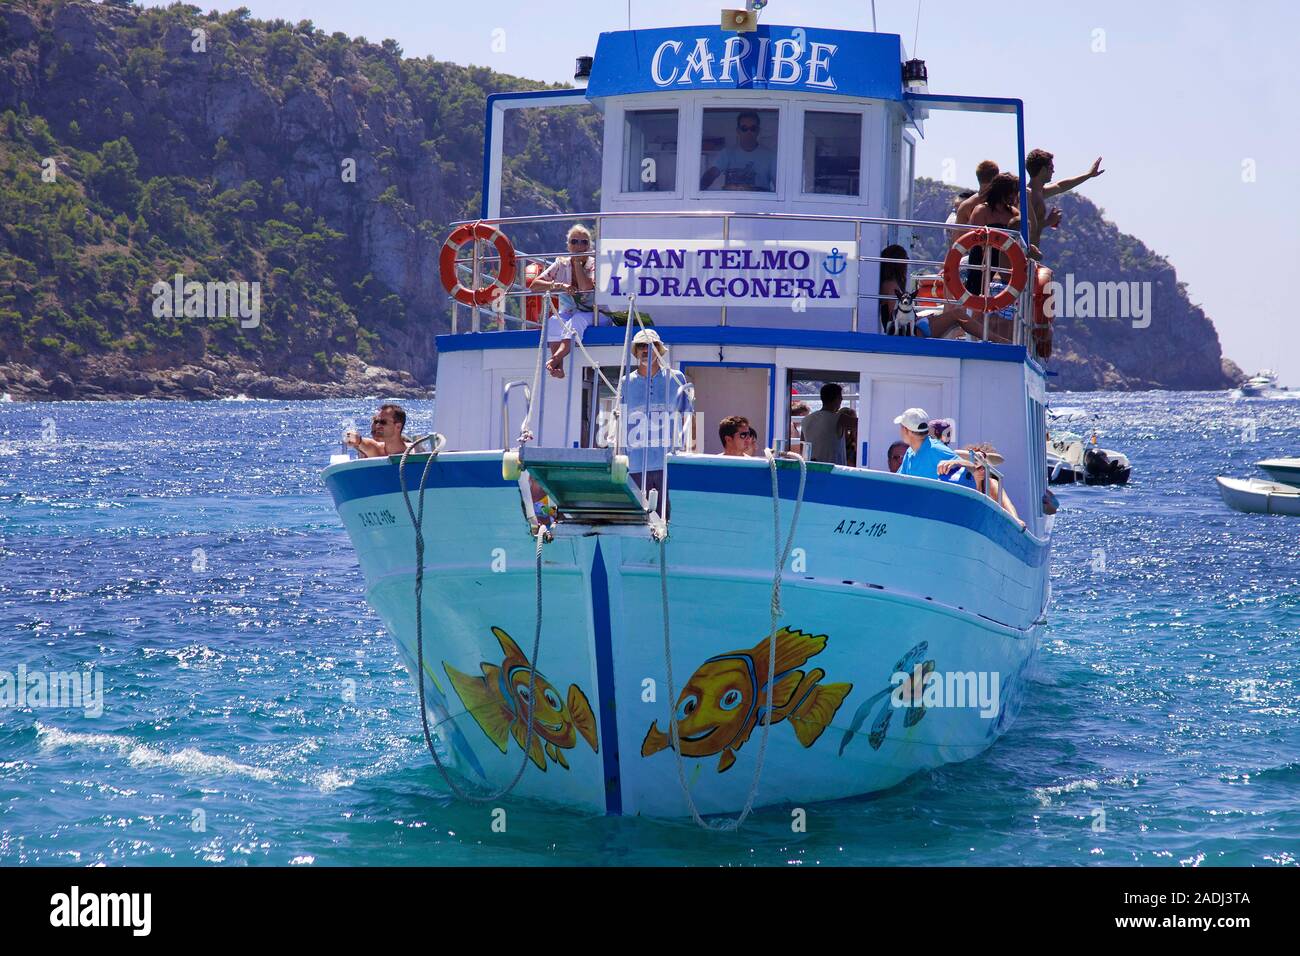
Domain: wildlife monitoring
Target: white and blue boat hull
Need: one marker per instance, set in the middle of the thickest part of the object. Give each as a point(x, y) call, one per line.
point(886, 572)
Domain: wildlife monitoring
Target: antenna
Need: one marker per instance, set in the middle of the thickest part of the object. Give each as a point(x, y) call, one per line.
point(873, 16)
point(915, 36)
point(629, 14)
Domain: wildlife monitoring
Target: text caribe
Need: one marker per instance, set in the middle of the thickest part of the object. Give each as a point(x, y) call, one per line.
point(781, 68)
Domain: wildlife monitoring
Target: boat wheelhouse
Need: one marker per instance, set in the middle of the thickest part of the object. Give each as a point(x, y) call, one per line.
point(750, 182)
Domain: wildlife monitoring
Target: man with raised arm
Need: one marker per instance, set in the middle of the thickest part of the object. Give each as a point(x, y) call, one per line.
point(1039, 166)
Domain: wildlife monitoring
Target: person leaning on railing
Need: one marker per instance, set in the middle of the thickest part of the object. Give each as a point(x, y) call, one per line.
point(973, 460)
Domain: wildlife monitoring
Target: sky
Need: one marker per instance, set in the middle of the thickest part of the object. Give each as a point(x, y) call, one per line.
point(1194, 105)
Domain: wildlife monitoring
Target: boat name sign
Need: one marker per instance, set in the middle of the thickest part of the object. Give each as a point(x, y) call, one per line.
point(803, 59)
point(795, 275)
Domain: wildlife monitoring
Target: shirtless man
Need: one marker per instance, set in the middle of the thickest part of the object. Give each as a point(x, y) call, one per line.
point(1040, 167)
point(984, 174)
point(385, 434)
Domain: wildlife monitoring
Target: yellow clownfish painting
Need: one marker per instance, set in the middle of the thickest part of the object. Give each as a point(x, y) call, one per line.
point(499, 703)
point(731, 694)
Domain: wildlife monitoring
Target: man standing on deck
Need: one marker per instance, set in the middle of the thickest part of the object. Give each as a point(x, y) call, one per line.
point(657, 408)
point(1040, 167)
point(923, 454)
point(984, 174)
point(825, 428)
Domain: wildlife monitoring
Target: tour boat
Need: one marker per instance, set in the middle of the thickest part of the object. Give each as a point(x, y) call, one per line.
point(769, 630)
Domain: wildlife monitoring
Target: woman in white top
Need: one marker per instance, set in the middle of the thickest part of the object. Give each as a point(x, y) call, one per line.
point(574, 278)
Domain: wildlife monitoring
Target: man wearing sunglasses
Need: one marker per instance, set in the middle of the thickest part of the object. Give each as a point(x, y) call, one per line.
point(746, 166)
point(739, 440)
point(573, 276)
point(385, 434)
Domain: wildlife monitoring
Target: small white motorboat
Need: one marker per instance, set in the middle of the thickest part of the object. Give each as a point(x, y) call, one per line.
point(1071, 460)
point(1263, 384)
point(1285, 470)
point(1257, 496)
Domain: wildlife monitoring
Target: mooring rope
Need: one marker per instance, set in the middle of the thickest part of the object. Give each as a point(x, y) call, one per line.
point(781, 554)
point(417, 522)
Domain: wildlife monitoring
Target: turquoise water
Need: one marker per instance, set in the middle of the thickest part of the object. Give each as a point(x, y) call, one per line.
point(255, 711)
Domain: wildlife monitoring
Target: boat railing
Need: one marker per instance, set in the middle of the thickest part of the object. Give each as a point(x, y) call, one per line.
point(508, 309)
point(505, 407)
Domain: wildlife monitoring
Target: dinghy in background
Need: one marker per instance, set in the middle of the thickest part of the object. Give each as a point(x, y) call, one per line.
point(1256, 496)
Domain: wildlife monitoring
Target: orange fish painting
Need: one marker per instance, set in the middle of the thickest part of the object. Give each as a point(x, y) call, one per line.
point(731, 694)
point(498, 701)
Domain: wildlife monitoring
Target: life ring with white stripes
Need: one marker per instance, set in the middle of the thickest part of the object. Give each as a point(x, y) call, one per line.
point(1003, 243)
point(499, 284)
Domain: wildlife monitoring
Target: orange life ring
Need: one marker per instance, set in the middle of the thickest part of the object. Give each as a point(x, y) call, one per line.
point(1003, 243)
point(481, 232)
point(930, 292)
point(538, 306)
point(1043, 316)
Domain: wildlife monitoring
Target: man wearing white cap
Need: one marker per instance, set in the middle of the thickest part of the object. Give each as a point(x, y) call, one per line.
point(658, 403)
point(923, 453)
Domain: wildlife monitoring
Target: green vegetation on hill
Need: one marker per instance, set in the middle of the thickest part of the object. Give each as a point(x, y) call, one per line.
point(323, 167)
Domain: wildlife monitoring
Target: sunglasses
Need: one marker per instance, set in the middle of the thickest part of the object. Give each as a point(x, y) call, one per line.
point(380, 421)
point(749, 434)
point(748, 129)
point(579, 242)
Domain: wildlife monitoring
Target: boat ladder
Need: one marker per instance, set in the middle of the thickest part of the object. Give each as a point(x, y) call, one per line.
point(586, 485)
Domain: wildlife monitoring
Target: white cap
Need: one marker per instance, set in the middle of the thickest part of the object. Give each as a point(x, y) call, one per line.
point(647, 337)
point(915, 420)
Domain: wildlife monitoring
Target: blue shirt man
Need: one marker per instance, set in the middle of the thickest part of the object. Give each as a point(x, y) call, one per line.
point(923, 452)
point(657, 407)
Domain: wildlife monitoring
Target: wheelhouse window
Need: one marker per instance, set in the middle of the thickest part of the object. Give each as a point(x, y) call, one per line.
point(738, 150)
point(649, 151)
point(832, 153)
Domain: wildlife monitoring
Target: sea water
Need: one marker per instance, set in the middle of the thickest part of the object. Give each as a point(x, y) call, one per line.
point(255, 712)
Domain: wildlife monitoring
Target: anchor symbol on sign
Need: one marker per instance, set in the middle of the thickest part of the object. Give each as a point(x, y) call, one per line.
point(835, 257)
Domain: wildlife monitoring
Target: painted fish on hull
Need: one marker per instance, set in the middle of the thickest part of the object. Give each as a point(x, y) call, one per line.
point(498, 702)
point(731, 694)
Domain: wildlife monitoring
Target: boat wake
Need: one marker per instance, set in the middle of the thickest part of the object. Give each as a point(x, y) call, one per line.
point(1044, 795)
point(189, 760)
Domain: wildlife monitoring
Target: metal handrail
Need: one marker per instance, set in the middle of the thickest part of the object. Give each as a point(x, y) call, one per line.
point(1021, 322)
point(505, 407)
point(719, 213)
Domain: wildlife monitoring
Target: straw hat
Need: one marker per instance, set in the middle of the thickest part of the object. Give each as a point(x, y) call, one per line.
point(991, 454)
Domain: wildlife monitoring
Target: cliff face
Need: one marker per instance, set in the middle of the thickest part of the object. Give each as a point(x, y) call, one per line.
point(1178, 349)
point(138, 144)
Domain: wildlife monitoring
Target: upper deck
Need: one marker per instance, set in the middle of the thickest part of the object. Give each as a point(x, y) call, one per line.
point(747, 180)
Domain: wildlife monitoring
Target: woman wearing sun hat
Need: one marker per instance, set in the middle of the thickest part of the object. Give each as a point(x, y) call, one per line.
point(971, 460)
